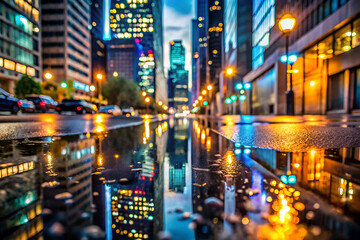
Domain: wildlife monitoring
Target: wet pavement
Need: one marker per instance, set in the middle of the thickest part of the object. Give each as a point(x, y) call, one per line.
point(51, 124)
point(175, 179)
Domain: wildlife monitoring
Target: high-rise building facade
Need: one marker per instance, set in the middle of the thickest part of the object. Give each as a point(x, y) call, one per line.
point(98, 45)
point(135, 47)
point(237, 43)
point(325, 76)
point(263, 21)
point(19, 42)
point(194, 61)
point(66, 43)
point(178, 90)
point(215, 38)
point(202, 19)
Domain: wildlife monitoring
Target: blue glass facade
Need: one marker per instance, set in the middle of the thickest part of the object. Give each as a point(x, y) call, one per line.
point(230, 22)
point(263, 21)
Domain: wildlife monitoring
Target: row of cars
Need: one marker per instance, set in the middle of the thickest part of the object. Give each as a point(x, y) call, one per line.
point(44, 104)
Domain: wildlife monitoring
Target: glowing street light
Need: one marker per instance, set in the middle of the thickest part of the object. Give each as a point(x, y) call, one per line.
point(209, 87)
point(229, 71)
point(143, 93)
point(92, 88)
point(147, 99)
point(160, 103)
point(99, 76)
point(203, 92)
point(196, 101)
point(286, 26)
point(287, 23)
point(48, 76)
point(200, 98)
point(64, 85)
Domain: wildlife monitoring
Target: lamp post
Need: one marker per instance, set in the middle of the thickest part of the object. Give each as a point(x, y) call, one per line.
point(99, 77)
point(147, 100)
point(286, 25)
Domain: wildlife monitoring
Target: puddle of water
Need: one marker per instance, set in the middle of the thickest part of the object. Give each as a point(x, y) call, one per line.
point(172, 179)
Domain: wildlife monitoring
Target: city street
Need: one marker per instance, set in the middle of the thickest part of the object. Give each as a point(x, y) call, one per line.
point(41, 125)
point(179, 120)
point(186, 175)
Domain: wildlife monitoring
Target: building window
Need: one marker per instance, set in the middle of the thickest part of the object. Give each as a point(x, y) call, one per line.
point(343, 40)
point(357, 89)
point(336, 92)
point(356, 33)
point(325, 48)
point(326, 8)
point(311, 59)
point(334, 5)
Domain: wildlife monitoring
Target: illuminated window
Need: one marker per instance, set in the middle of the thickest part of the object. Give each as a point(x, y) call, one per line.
point(9, 64)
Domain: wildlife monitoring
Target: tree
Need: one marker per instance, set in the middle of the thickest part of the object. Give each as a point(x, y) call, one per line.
point(51, 89)
point(121, 92)
point(26, 86)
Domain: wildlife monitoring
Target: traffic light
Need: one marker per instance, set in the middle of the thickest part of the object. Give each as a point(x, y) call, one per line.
point(239, 86)
point(233, 97)
point(247, 85)
point(64, 84)
point(205, 103)
point(242, 97)
point(228, 101)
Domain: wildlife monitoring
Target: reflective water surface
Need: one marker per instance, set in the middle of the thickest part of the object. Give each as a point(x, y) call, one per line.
point(174, 179)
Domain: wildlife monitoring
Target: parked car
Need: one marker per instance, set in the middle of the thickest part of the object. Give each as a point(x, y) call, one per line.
point(128, 111)
point(26, 106)
point(8, 103)
point(77, 106)
point(42, 103)
point(111, 109)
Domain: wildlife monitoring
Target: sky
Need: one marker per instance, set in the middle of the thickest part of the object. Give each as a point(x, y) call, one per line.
point(177, 26)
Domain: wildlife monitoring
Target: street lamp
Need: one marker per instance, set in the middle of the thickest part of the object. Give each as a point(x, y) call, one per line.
point(147, 100)
point(99, 76)
point(203, 92)
point(230, 71)
point(48, 76)
point(209, 87)
point(92, 88)
point(160, 103)
point(286, 25)
point(143, 93)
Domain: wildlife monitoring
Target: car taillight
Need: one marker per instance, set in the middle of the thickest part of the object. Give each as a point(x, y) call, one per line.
point(58, 108)
point(78, 108)
point(20, 103)
point(42, 103)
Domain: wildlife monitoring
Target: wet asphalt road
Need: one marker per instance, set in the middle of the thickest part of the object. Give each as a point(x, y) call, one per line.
point(295, 133)
point(41, 125)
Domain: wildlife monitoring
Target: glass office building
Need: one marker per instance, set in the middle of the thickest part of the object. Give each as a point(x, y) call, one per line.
point(137, 23)
point(263, 21)
point(19, 42)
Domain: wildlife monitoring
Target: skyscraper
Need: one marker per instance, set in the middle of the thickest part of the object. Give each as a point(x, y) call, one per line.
point(215, 33)
point(135, 49)
point(202, 18)
point(263, 21)
point(98, 46)
point(194, 61)
point(237, 40)
point(19, 42)
point(66, 43)
point(178, 77)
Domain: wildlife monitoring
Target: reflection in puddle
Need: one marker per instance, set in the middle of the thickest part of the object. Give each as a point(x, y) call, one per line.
point(173, 179)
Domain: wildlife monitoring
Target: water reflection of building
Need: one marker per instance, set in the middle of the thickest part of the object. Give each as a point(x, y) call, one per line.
point(68, 163)
point(20, 202)
point(331, 173)
point(132, 210)
point(177, 150)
